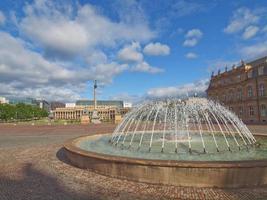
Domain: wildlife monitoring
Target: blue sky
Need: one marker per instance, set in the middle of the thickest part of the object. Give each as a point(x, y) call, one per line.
point(136, 49)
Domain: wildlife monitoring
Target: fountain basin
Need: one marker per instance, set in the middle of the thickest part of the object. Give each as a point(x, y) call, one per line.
point(228, 173)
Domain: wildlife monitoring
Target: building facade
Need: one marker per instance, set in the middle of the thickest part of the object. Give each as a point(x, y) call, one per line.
point(3, 100)
point(106, 113)
point(56, 104)
point(27, 101)
point(111, 103)
point(243, 90)
point(43, 104)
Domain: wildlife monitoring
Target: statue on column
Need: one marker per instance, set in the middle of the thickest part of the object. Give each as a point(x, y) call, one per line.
point(95, 118)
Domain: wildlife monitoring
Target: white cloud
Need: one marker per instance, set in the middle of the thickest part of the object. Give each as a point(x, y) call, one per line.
point(66, 32)
point(190, 42)
point(194, 33)
point(96, 57)
point(104, 72)
point(183, 8)
point(265, 29)
point(157, 49)
point(191, 55)
point(145, 67)
point(255, 50)
point(192, 37)
point(2, 18)
point(198, 87)
point(250, 32)
point(131, 53)
point(24, 72)
point(59, 93)
point(21, 64)
point(59, 47)
point(242, 18)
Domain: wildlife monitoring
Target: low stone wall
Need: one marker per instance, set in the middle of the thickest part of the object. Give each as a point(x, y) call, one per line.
point(223, 174)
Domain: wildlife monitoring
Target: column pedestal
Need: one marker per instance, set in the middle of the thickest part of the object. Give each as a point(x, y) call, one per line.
point(95, 118)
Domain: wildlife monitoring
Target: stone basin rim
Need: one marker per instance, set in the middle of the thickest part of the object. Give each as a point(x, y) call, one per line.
point(71, 146)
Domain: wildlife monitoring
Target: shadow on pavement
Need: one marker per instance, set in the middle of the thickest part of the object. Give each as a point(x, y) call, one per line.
point(35, 185)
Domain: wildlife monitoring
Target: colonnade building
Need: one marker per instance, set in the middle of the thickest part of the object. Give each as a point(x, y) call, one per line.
point(108, 111)
point(243, 90)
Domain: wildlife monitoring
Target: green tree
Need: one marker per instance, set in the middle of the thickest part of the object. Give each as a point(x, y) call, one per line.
point(21, 112)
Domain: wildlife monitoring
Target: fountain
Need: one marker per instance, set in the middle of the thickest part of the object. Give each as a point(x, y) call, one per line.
point(188, 142)
point(195, 125)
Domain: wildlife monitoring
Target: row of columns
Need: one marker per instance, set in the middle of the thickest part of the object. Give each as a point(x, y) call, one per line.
point(77, 114)
point(68, 114)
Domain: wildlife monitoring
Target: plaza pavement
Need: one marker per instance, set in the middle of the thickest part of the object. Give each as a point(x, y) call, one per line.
point(33, 166)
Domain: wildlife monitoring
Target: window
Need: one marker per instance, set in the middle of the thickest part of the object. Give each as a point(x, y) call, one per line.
point(261, 90)
point(251, 110)
point(240, 111)
point(263, 110)
point(230, 95)
point(250, 91)
point(250, 74)
point(238, 77)
point(224, 97)
point(239, 94)
point(261, 70)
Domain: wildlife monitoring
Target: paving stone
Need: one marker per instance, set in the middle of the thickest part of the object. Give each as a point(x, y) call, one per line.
point(38, 170)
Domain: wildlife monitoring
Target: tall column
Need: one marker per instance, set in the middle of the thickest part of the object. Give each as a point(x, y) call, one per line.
point(95, 103)
point(95, 117)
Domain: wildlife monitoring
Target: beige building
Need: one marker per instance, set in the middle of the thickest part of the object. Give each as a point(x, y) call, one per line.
point(106, 113)
point(243, 90)
point(3, 100)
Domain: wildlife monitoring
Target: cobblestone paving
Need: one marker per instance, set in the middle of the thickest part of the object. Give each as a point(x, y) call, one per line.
point(33, 166)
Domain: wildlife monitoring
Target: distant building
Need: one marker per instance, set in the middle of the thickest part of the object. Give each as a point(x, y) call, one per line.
point(43, 104)
point(93, 111)
point(70, 105)
point(27, 101)
point(111, 103)
point(3, 100)
point(127, 105)
point(109, 111)
point(106, 113)
point(56, 104)
point(243, 90)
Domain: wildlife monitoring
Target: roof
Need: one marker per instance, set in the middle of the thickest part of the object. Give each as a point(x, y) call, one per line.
point(100, 103)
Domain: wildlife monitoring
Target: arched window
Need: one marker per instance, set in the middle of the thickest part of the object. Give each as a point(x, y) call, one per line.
point(263, 110)
point(261, 70)
point(230, 95)
point(251, 110)
point(224, 98)
point(250, 91)
point(261, 90)
point(240, 111)
point(250, 74)
point(239, 94)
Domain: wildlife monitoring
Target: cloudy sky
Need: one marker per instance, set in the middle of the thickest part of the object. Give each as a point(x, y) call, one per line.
point(53, 49)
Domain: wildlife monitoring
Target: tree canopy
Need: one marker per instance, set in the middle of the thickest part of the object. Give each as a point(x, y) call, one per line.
point(21, 112)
